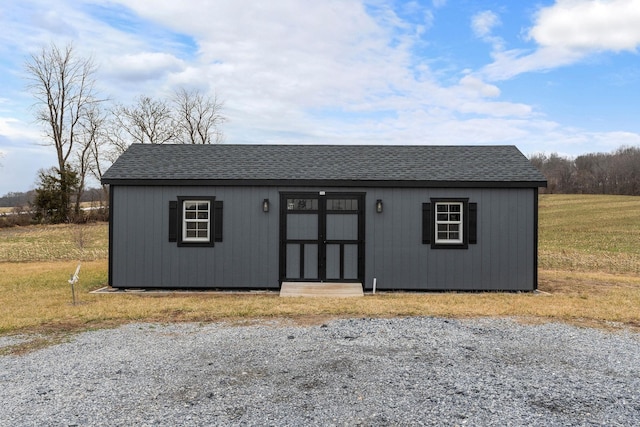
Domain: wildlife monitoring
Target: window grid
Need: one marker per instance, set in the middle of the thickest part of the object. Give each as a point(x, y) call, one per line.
point(449, 222)
point(299, 204)
point(196, 226)
point(342, 204)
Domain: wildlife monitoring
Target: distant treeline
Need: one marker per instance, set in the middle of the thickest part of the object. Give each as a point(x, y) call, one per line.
point(22, 200)
point(17, 199)
point(596, 173)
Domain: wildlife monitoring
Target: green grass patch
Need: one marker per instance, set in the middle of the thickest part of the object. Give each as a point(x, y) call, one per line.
point(590, 233)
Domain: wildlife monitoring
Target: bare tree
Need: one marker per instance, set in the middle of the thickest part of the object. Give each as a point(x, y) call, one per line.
point(90, 140)
point(625, 170)
point(63, 85)
point(100, 153)
point(592, 173)
point(606, 173)
point(198, 117)
point(189, 117)
point(150, 121)
point(97, 136)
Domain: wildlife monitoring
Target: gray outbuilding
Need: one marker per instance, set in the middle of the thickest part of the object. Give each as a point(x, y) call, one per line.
point(255, 216)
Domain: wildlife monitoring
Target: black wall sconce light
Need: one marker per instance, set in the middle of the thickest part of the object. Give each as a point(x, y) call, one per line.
point(265, 205)
point(379, 206)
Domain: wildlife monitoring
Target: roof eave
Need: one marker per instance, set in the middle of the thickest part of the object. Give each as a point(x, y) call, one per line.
point(322, 183)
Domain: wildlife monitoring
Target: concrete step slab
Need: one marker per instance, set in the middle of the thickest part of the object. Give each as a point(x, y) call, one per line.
point(322, 289)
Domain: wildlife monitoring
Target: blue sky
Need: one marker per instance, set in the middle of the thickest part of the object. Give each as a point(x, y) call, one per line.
point(547, 76)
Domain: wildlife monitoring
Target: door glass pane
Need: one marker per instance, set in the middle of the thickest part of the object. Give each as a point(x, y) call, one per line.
point(342, 204)
point(342, 227)
point(350, 261)
point(333, 262)
point(301, 204)
point(310, 261)
point(293, 261)
point(302, 227)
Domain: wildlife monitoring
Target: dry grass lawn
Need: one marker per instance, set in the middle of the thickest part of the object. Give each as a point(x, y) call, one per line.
point(54, 243)
point(589, 233)
point(589, 259)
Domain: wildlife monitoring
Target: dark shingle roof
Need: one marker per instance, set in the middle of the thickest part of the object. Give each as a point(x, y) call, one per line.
point(387, 165)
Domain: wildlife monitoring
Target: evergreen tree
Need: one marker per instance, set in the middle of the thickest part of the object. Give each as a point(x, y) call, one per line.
point(52, 203)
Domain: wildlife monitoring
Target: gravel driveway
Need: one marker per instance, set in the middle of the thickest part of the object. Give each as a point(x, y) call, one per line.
point(409, 371)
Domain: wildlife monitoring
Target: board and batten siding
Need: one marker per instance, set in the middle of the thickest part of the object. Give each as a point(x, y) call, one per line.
point(143, 257)
point(248, 257)
point(502, 259)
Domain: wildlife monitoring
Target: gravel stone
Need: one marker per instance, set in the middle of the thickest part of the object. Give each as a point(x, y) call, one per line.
point(350, 372)
point(12, 340)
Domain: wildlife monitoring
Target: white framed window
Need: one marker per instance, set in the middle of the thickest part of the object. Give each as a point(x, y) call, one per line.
point(196, 221)
point(449, 222)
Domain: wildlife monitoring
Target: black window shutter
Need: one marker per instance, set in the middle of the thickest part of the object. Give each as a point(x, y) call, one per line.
point(473, 223)
point(427, 223)
point(217, 218)
point(173, 221)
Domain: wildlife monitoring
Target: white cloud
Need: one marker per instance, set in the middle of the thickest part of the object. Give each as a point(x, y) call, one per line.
point(567, 32)
point(23, 152)
point(482, 23)
point(299, 53)
point(496, 109)
point(475, 86)
point(616, 139)
point(21, 163)
point(55, 21)
point(509, 63)
point(279, 67)
point(142, 66)
point(14, 128)
point(429, 19)
point(591, 25)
